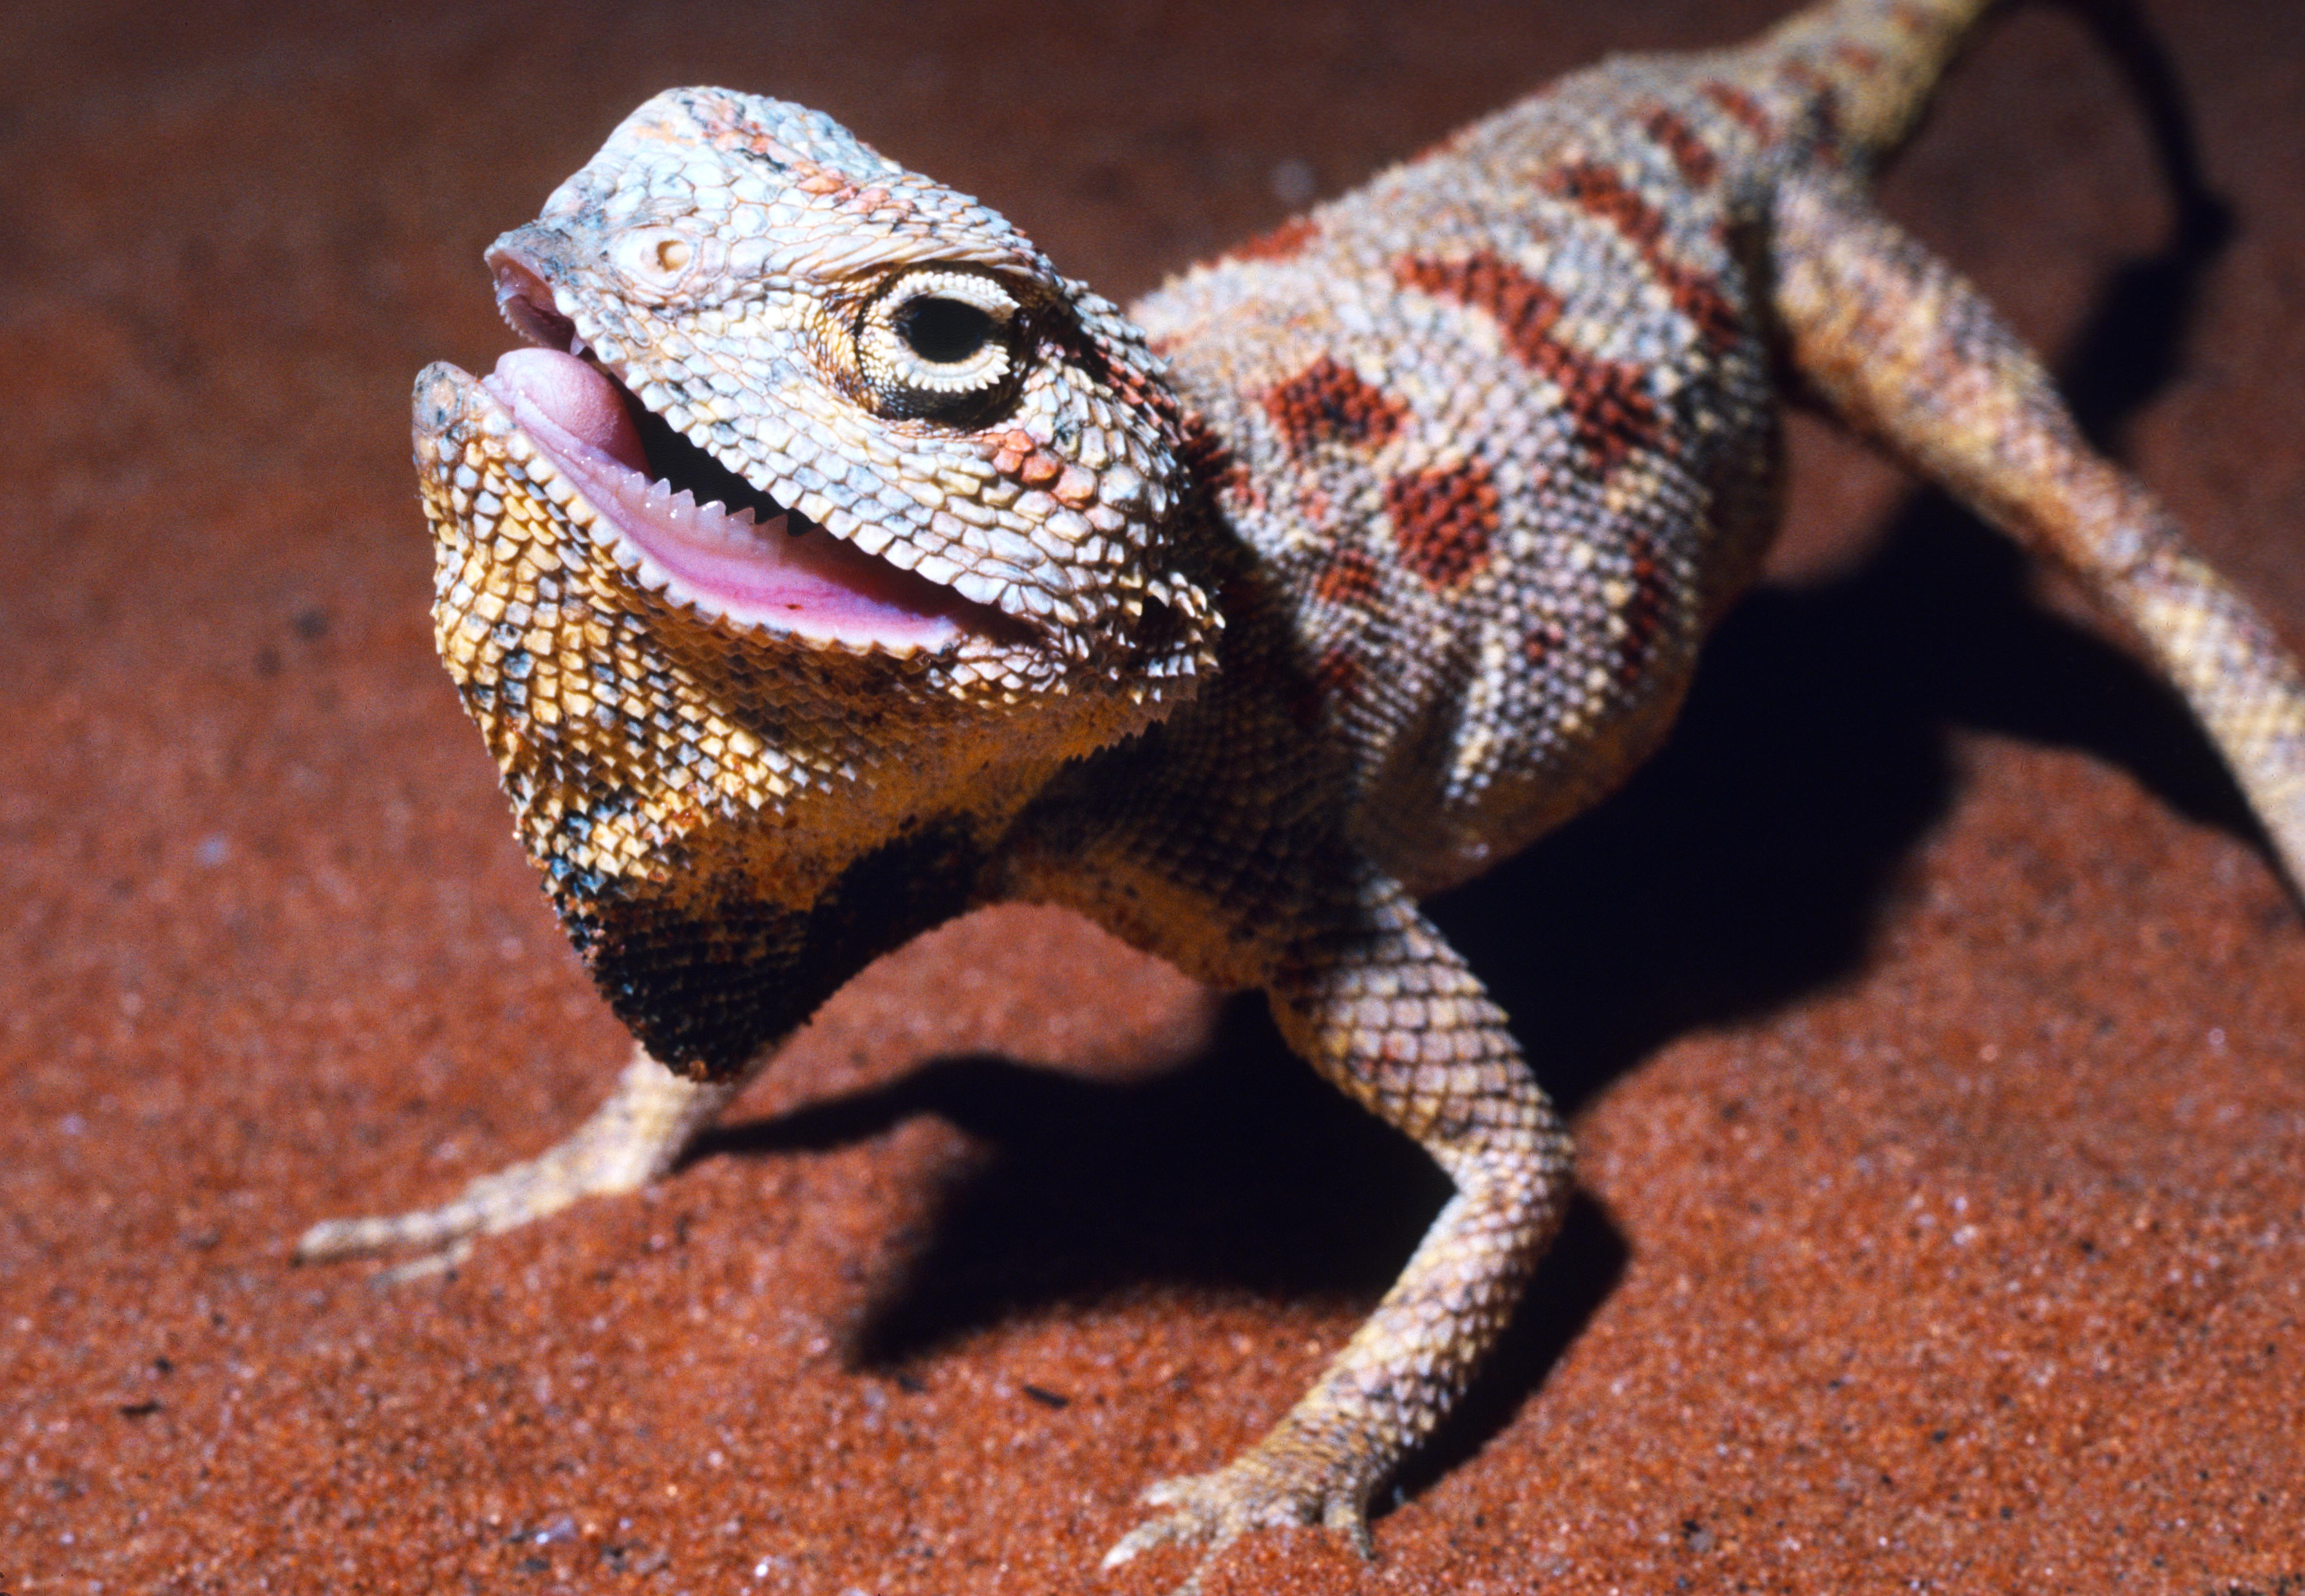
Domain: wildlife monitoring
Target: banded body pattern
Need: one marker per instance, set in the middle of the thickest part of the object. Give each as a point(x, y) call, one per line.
point(1501, 424)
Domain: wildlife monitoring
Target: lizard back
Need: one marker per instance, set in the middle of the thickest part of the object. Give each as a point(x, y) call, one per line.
point(1500, 427)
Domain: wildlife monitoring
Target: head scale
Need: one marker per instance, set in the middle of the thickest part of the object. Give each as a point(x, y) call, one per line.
point(826, 524)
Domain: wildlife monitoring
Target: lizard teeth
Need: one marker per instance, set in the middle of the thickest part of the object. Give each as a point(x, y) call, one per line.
point(723, 566)
point(717, 526)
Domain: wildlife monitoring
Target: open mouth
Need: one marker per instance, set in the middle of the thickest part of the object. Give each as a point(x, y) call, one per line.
point(686, 525)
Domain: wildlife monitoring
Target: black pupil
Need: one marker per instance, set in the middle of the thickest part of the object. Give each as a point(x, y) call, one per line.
point(944, 330)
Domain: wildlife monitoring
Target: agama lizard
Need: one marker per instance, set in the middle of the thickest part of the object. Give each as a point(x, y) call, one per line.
point(831, 565)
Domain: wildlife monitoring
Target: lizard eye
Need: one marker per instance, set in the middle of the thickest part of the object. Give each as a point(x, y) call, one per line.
point(937, 343)
point(944, 332)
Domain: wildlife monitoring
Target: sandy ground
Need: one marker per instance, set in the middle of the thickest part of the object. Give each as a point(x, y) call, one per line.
point(1929, 1014)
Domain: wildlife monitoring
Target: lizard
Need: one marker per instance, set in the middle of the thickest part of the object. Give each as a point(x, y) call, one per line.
point(826, 564)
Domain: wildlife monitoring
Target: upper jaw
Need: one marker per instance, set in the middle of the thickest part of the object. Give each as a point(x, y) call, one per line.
point(525, 300)
point(683, 523)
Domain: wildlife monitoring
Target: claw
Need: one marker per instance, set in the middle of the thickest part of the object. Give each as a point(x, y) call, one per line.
point(431, 1263)
point(1158, 1531)
point(1161, 1532)
point(1257, 1490)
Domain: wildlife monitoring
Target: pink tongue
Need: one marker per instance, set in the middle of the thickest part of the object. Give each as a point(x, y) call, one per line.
point(810, 583)
point(576, 399)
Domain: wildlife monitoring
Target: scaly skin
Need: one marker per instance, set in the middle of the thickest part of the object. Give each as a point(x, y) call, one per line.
point(1388, 544)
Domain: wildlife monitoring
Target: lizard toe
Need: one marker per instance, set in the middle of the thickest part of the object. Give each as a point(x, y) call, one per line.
point(1255, 1491)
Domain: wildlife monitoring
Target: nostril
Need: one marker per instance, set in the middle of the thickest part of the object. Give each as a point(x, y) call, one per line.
point(524, 300)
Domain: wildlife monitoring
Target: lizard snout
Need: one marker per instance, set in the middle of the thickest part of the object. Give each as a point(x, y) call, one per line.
point(524, 295)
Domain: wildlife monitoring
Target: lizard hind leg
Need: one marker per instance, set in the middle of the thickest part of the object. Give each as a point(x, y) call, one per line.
point(635, 1136)
point(1900, 347)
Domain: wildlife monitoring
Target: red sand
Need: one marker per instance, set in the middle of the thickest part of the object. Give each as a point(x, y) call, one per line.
point(1930, 1020)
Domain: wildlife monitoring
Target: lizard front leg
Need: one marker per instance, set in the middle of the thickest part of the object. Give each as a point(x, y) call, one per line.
point(1379, 1004)
point(635, 1136)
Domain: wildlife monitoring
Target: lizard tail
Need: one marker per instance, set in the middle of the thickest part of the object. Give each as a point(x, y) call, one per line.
point(1864, 69)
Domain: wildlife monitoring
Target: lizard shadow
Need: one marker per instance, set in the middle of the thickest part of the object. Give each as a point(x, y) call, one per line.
point(1239, 1169)
point(1748, 863)
point(1744, 866)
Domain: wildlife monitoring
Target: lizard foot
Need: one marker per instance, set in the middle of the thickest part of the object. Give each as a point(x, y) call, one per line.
point(503, 1201)
point(1259, 1490)
point(637, 1135)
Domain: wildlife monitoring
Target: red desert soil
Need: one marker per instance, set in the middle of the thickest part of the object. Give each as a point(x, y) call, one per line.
point(1930, 1018)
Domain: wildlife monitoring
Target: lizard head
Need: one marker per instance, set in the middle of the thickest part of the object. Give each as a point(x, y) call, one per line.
point(821, 522)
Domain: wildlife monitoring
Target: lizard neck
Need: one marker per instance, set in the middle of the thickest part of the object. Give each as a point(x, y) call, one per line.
point(710, 972)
